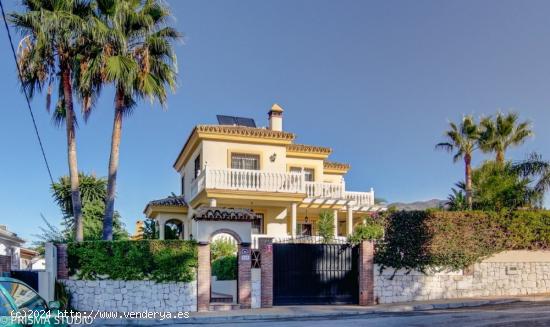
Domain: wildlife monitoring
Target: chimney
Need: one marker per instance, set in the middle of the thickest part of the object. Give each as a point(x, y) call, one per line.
point(276, 118)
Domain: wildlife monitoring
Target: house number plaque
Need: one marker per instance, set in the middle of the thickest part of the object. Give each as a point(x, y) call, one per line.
point(245, 254)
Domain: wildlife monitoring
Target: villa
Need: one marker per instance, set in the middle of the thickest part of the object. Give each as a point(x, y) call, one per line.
point(261, 170)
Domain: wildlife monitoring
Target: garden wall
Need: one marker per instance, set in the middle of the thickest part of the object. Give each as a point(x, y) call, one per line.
point(506, 273)
point(132, 296)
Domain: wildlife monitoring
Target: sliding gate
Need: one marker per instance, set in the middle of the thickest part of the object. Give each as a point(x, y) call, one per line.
point(315, 274)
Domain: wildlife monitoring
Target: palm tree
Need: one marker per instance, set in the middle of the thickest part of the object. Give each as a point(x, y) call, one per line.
point(137, 57)
point(503, 132)
point(51, 48)
point(456, 201)
point(464, 140)
point(537, 169)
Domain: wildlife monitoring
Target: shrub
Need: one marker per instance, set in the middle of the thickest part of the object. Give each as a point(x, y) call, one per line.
point(372, 230)
point(222, 248)
point(528, 229)
point(158, 260)
point(437, 239)
point(325, 226)
point(225, 268)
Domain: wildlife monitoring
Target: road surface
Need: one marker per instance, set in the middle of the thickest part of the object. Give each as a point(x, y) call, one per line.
point(507, 315)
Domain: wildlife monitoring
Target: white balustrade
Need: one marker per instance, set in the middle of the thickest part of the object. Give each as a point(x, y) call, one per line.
point(197, 185)
point(265, 181)
point(324, 190)
point(361, 198)
point(254, 180)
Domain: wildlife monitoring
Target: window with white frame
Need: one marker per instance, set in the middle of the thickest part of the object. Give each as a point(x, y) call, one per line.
point(258, 224)
point(308, 172)
point(245, 161)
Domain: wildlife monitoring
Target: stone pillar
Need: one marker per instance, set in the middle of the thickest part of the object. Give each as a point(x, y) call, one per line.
point(349, 221)
point(335, 223)
point(203, 277)
point(266, 253)
point(366, 273)
point(293, 213)
point(62, 261)
point(244, 279)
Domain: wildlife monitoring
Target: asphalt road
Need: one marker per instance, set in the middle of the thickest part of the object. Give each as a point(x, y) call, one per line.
point(507, 315)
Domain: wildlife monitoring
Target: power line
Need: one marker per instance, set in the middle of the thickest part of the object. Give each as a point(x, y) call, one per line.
point(25, 92)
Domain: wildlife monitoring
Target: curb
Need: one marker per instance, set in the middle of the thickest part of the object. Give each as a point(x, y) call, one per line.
point(274, 316)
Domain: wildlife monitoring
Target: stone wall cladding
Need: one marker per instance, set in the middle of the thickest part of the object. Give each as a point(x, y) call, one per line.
point(132, 296)
point(484, 279)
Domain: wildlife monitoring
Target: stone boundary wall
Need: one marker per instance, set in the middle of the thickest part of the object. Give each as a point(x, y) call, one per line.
point(132, 296)
point(504, 274)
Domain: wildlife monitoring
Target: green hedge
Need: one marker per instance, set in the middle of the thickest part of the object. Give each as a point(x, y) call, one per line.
point(158, 260)
point(225, 268)
point(528, 229)
point(447, 240)
point(456, 239)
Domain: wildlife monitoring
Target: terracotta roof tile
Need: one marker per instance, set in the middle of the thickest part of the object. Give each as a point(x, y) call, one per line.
point(217, 213)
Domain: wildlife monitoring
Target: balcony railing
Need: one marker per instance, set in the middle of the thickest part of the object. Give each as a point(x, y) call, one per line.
point(361, 198)
point(264, 181)
point(324, 190)
point(248, 180)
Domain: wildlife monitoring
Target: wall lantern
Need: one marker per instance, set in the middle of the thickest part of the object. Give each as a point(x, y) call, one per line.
point(273, 157)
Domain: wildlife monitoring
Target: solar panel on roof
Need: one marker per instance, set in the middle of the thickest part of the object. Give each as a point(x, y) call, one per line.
point(226, 120)
point(248, 122)
point(235, 121)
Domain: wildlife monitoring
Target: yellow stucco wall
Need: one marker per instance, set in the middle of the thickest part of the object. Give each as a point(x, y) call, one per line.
point(217, 154)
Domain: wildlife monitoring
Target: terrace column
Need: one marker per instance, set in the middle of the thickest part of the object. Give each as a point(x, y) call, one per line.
point(349, 221)
point(335, 223)
point(160, 224)
point(294, 210)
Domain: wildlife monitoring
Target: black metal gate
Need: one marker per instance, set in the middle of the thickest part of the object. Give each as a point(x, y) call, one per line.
point(315, 274)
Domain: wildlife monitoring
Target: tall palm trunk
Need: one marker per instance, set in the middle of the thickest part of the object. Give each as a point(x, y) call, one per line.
point(468, 180)
point(500, 156)
point(71, 151)
point(113, 166)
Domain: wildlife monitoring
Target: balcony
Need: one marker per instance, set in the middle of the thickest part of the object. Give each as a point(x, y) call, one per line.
point(276, 182)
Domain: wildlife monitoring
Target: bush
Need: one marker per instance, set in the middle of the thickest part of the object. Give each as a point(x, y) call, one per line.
point(372, 230)
point(438, 239)
point(325, 226)
point(222, 248)
point(225, 268)
point(158, 260)
point(528, 229)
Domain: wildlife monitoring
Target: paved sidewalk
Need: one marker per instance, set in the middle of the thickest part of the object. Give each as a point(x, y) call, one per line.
point(320, 311)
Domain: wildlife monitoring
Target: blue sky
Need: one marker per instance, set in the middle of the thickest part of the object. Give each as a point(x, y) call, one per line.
point(375, 80)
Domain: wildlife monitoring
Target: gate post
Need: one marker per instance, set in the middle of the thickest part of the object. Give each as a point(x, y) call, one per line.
point(366, 273)
point(62, 261)
point(244, 276)
point(266, 257)
point(203, 277)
